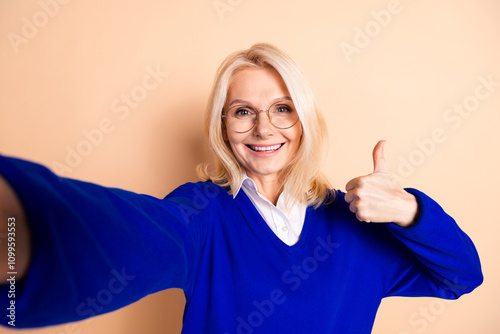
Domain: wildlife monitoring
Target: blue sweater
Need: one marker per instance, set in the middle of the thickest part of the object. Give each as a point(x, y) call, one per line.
point(97, 249)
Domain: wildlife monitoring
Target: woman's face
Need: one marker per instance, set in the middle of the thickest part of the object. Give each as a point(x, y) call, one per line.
point(264, 150)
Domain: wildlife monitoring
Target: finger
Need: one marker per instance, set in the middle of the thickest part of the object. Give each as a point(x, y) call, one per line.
point(349, 196)
point(351, 184)
point(353, 208)
point(379, 164)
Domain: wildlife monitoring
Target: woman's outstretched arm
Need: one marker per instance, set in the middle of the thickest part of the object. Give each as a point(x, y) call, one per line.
point(95, 249)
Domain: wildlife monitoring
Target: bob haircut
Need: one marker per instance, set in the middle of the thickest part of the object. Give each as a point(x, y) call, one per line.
point(302, 177)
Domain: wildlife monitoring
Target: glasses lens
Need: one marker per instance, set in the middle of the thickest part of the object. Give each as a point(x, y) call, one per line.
point(283, 115)
point(241, 118)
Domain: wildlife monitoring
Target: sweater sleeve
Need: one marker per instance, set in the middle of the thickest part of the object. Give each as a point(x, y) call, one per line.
point(96, 249)
point(434, 257)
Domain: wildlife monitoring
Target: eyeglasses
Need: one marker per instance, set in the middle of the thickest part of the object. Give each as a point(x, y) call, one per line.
point(242, 118)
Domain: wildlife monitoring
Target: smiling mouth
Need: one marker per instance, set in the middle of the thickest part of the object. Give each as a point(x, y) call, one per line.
point(265, 149)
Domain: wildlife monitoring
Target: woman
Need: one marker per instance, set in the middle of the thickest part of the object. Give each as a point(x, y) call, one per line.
point(263, 245)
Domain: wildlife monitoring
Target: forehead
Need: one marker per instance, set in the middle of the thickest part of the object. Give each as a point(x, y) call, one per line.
point(257, 85)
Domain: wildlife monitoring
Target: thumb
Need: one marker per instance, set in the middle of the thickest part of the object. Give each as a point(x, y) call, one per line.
point(378, 158)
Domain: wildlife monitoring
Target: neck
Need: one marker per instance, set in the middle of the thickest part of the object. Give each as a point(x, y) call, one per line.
point(268, 186)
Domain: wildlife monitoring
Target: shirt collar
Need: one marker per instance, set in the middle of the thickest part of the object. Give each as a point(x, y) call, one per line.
point(250, 185)
point(248, 182)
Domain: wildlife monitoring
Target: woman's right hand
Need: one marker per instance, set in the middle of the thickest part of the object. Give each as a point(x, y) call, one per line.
point(14, 234)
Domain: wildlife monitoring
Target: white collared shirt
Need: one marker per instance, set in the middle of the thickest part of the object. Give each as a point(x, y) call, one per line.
point(287, 225)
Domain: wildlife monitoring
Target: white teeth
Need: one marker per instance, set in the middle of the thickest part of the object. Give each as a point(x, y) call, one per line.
point(265, 148)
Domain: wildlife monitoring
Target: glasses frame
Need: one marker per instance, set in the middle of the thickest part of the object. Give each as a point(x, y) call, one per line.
point(257, 116)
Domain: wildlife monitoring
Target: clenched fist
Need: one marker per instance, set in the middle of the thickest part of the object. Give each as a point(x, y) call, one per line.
point(377, 198)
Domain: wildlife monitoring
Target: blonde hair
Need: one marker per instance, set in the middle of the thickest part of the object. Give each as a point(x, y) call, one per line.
point(302, 177)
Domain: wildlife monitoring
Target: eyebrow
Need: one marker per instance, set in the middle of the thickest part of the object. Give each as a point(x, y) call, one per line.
point(279, 99)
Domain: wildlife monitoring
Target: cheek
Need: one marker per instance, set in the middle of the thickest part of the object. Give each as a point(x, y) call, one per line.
point(296, 136)
point(235, 142)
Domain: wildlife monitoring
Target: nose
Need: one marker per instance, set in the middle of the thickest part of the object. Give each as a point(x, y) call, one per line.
point(263, 128)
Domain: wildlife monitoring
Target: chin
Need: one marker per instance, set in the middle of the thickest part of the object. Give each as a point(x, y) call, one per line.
point(265, 171)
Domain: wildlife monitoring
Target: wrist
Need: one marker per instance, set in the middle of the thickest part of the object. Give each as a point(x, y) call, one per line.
point(409, 212)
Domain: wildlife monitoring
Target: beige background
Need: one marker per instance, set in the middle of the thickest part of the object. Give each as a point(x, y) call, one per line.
point(69, 72)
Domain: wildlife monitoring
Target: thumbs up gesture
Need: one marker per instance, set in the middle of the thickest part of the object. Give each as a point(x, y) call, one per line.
point(377, 198)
